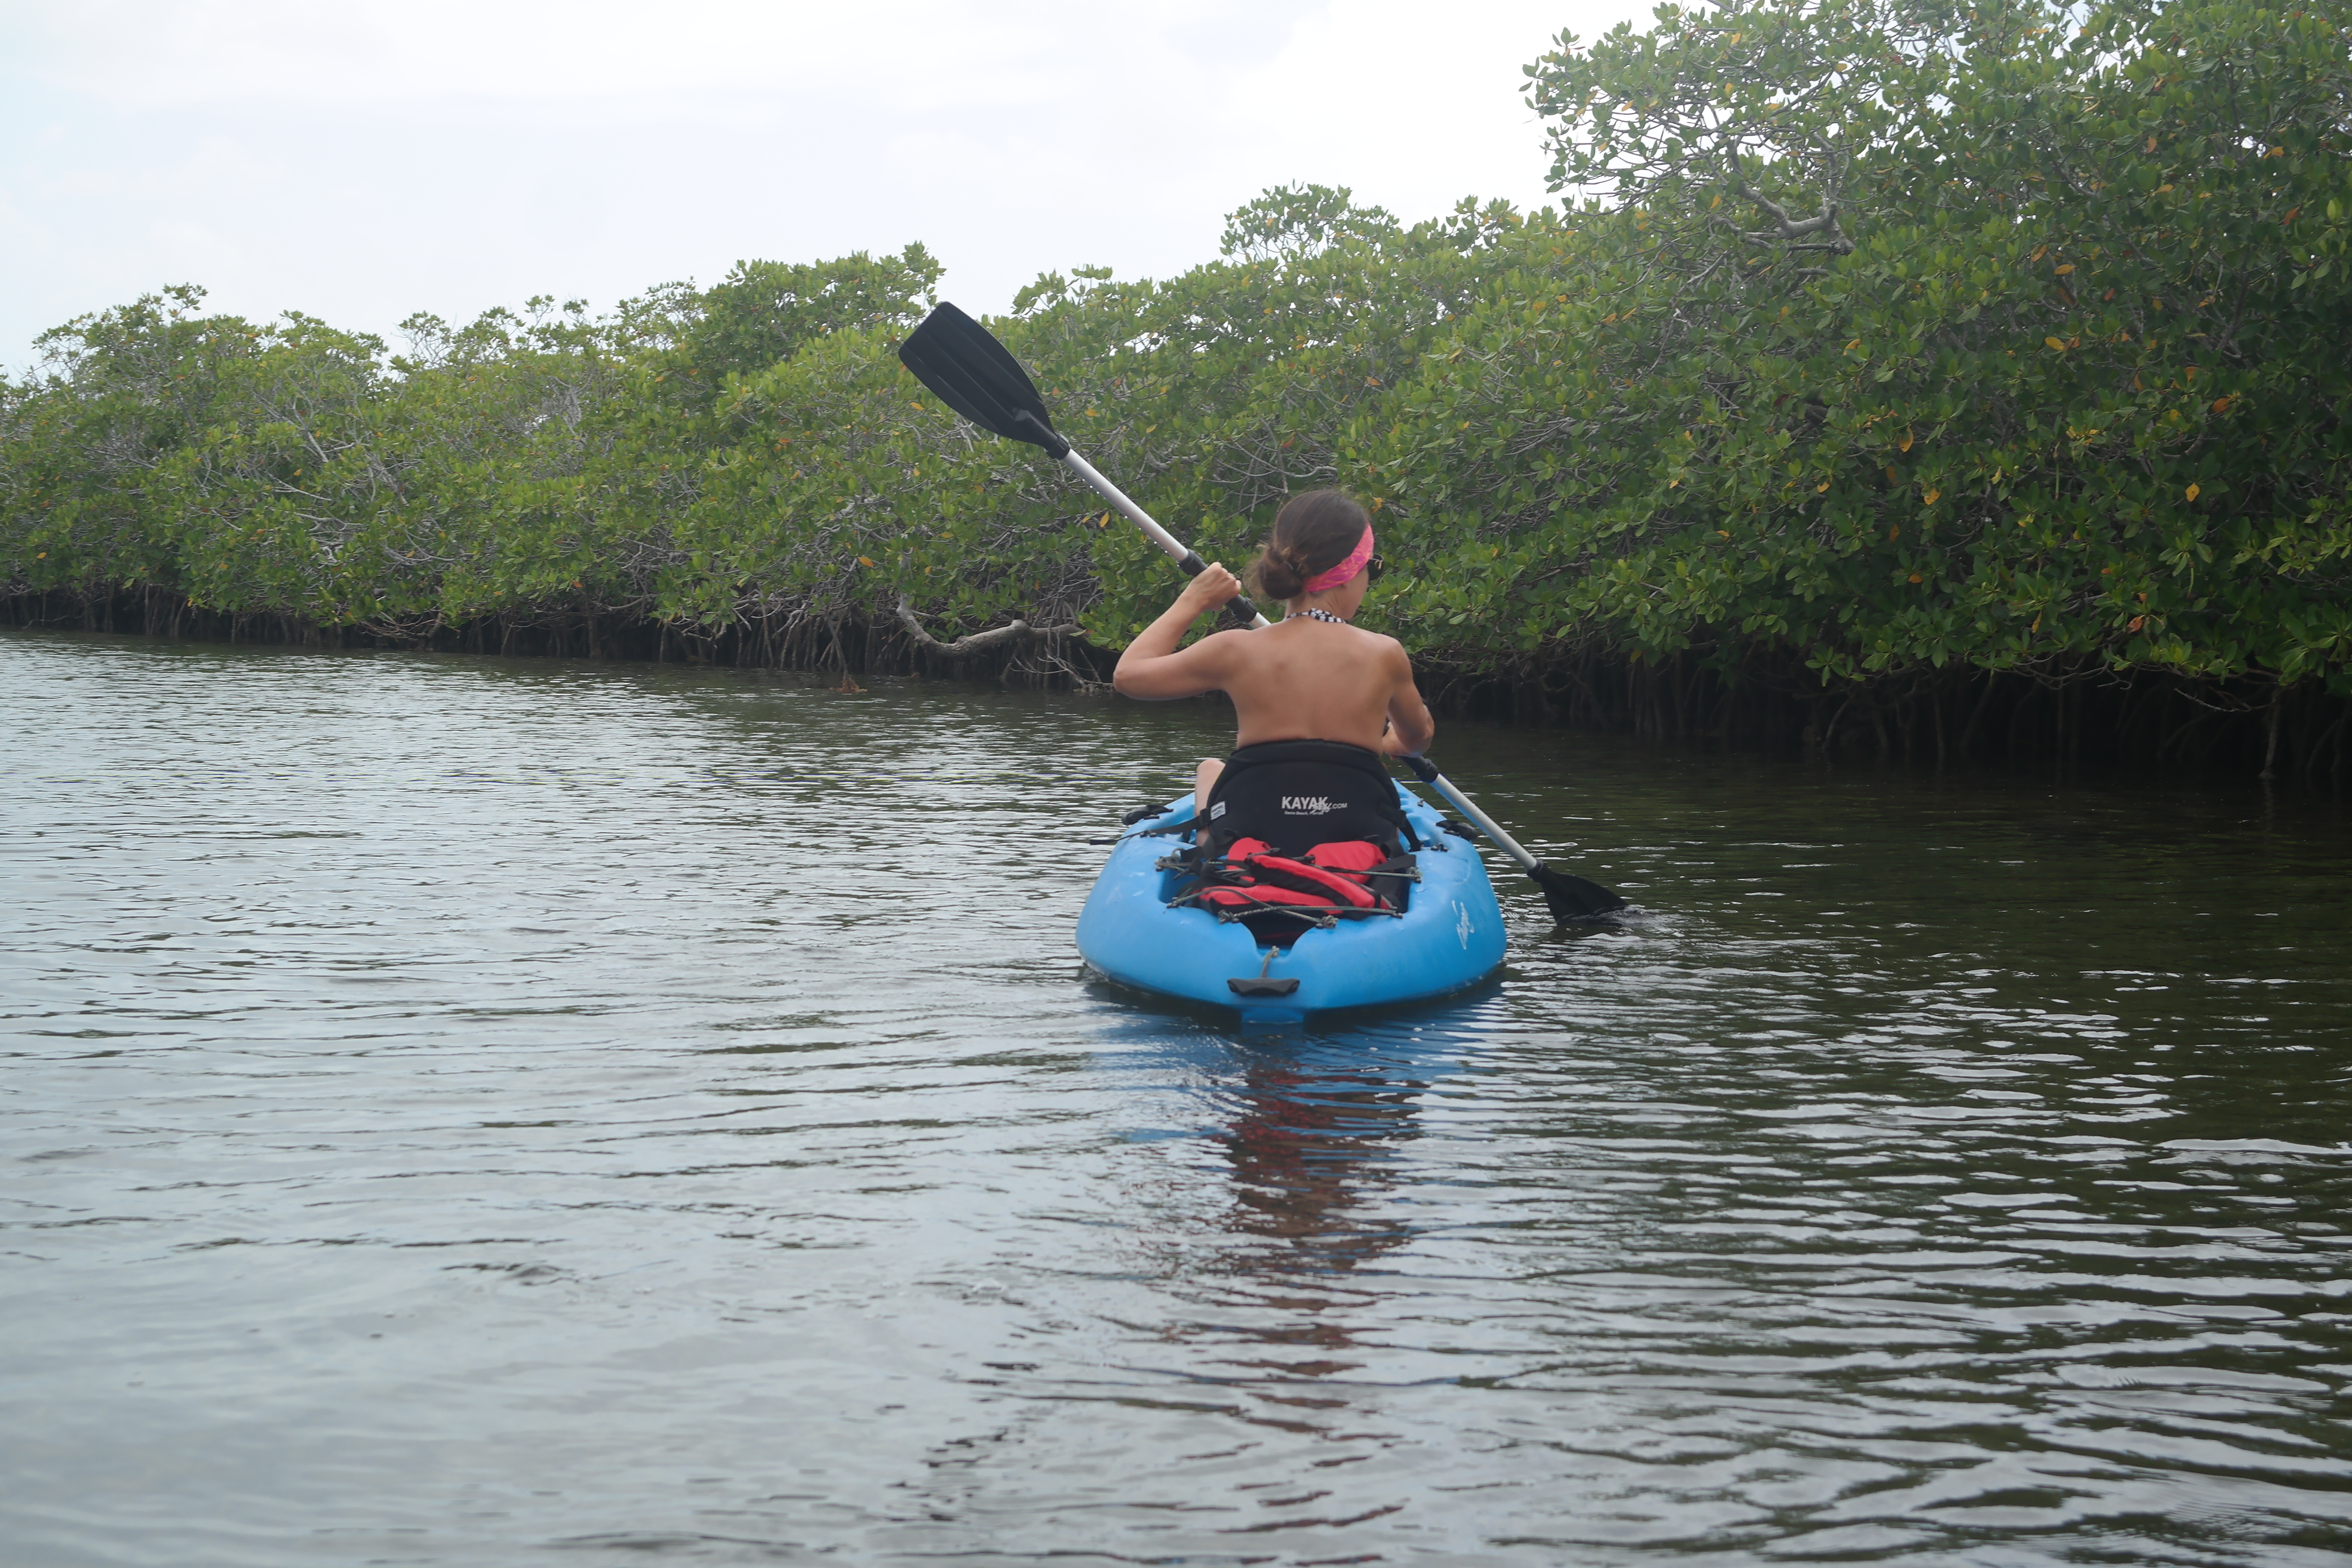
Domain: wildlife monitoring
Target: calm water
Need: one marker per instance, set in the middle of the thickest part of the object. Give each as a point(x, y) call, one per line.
point(462, 1112)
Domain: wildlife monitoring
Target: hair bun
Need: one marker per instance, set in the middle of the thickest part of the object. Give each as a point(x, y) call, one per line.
point(1313, 533)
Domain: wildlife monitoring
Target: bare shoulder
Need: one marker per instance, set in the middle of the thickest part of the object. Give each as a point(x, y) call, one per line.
point(1221, 648)
point(1388, 649)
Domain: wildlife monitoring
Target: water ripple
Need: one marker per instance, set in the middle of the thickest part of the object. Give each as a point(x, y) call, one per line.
point(460, 1110)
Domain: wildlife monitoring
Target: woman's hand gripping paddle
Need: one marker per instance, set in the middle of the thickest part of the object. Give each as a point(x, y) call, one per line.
point(978, 377)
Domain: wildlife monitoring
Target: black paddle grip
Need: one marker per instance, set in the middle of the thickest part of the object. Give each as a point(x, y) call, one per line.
point(1243, 612)
point(1238, 606)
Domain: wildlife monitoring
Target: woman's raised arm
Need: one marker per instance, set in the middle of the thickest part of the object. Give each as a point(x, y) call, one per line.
point(1155, 668)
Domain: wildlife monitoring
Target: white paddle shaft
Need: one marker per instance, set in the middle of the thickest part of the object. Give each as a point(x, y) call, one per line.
point(1485, 823)
point(1138, 516)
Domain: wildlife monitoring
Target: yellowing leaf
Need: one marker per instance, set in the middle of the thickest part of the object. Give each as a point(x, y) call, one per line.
point(1904, 443)
point(2065, 269)
point(2054, 343)
point(1930, 498)
point(2192, 492)
point(2221, 404)
point(865, 561)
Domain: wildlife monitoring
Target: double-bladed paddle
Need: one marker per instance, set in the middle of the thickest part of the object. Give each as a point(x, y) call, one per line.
point(978, 377)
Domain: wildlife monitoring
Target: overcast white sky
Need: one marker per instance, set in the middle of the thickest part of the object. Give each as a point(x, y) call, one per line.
point(360, 159)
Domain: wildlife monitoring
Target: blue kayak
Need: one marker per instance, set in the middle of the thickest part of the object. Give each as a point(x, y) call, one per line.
point(1449, 937)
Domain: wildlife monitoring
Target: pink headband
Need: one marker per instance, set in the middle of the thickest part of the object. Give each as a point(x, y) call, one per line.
point(1345, 571)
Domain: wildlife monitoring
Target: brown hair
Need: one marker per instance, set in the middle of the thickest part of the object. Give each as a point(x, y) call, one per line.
point(1312, 533)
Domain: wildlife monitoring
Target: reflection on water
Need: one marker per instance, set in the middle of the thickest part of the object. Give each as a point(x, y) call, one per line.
point(1307, 1149)
point(456, 1110)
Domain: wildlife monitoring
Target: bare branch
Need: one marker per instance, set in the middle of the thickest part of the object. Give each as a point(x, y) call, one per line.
point(1787, 228)
point(1020, 631)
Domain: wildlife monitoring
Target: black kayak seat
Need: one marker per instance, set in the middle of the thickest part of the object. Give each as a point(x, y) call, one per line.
point(1295, 795)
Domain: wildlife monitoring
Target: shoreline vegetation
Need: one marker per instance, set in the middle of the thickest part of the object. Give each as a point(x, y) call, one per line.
point(1924, 383)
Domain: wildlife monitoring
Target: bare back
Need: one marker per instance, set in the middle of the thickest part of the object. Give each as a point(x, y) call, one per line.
point(1302, 680)
point(1308, 680)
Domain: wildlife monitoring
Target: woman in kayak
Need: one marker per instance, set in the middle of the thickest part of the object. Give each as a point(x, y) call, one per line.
point(1319, 701)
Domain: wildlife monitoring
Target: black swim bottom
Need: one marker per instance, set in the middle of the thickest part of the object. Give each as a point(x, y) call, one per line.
point(1295, 795)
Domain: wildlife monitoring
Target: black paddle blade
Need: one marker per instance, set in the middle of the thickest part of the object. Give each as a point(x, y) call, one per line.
point(978, 377)
point(1571, 898)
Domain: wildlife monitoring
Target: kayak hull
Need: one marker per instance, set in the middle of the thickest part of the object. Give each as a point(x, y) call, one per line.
point(1449, 938)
